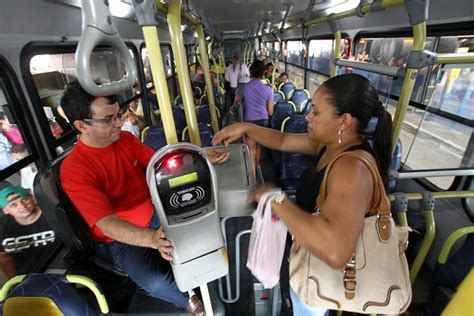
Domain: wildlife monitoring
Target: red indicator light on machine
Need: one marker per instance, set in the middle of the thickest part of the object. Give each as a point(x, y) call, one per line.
point(172, 163)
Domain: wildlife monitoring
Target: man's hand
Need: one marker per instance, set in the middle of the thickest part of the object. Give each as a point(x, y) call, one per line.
point(162, 244)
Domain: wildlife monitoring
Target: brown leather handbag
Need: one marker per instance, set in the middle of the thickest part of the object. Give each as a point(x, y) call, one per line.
point(376, 279)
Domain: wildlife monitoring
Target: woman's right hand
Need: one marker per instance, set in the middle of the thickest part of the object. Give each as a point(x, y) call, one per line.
point(229, 134)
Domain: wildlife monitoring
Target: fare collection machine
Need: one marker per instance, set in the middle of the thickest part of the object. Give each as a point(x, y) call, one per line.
point(184, 189)
point(236, 181)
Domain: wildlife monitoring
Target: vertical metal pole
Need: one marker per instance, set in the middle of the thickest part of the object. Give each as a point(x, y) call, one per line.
point(336, 52)
point(150, 34)
point(145, 16)
point(207, 76)
point(174, 23)
point(419, 34)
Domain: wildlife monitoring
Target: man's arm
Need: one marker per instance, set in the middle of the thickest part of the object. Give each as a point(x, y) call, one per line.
point(7, 264)
point(127, 233)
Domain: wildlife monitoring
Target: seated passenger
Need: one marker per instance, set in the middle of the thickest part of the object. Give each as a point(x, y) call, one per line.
point(282, 78)
point(342, 108)
point(24, 233)
point(104, 176)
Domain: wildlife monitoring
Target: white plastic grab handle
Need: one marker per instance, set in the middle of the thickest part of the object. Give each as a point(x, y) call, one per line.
point(98, 29)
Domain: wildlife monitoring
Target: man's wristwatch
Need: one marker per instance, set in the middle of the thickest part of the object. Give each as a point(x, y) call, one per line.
point(279, 198)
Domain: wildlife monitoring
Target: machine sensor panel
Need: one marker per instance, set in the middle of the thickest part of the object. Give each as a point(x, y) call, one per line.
point(182, 180)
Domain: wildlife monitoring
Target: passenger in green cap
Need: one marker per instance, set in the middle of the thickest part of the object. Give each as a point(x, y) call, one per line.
point(24, 233)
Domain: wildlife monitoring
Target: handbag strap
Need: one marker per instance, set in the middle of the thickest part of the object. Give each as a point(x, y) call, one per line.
point(380, 202)
point(380, 206)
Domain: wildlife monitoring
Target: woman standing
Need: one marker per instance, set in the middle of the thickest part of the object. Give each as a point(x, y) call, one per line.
point(258, 105)
point(236, 73)
point(342, 108)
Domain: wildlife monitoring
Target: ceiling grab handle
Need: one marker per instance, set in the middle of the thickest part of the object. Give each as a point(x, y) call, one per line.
point(98, 29)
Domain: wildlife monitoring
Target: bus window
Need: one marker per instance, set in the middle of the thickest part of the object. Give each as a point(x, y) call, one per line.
point(13, 143)
point(320, 55)
point(313, 81)
point(280, 66)
point(269, 46)
point(277, 49)
point(51, 73)
point(391, 52)
point(451, 86)
point(296, 75)
point(296, 53)
point(168, 63)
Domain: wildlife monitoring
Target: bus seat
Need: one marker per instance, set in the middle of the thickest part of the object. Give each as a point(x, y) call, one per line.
point(155, 137)
point(278, 96)
point(300, 98)
point(204, 115)
point(396, 165)
point(199, 88)
point(292, 164)
point(281, 111)
point(468, 203)
point(397, 153)
point(288, 89)
point(205, 133)
point(450, 271)
point(178, 100)
point(204, 100)
point(179, 118)
point(63, 217)
point(49, 295)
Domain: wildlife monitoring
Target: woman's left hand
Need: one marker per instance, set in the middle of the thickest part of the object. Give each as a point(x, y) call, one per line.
point(217, 156)
point(258, 192)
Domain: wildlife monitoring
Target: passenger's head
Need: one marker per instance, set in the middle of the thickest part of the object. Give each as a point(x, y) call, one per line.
point(98, 119)
point(18, 203)
point(256, 69)
point(268, 70)
point(283, 78)
point(235, 58)
point(347, 103)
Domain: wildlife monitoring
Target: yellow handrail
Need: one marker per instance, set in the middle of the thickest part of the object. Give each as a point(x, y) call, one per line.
point(207, 77)
point(174, 24)
point(150, 35)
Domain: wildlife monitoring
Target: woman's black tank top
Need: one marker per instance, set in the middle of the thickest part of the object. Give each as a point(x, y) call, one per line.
point(310, 181)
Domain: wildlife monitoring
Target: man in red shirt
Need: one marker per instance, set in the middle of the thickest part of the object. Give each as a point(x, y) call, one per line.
point(104, 176)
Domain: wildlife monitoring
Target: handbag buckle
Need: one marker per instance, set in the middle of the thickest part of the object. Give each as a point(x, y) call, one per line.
point(350, 280)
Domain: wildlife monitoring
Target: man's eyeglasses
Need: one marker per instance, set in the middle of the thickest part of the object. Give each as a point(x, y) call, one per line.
point(108, 120)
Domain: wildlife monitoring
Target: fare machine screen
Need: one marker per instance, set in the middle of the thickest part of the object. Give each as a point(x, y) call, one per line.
point(184, 181)
point(184, 189)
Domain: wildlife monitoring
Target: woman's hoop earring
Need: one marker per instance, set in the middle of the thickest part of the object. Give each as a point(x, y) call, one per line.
point(339, 136)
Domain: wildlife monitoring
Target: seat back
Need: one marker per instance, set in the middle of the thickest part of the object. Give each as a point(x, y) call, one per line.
point(59, 211)
point(155, 137)
point(292, 165)
point(288, 89)
point(64, 218)
point(205, 134)
point(179, 118)
point(368, 132)
point(204, 100)
point(49, 295)
point(204, 115)
point(300, 98)
point(278, 96)
point(281, 111)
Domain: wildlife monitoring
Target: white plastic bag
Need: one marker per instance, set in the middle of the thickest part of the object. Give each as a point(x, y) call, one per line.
point(267, 243)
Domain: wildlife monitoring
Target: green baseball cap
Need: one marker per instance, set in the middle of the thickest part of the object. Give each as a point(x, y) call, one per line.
point(10, 190)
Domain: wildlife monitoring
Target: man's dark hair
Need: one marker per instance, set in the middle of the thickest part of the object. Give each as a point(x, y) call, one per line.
point(76, 102)
point(256, 69)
